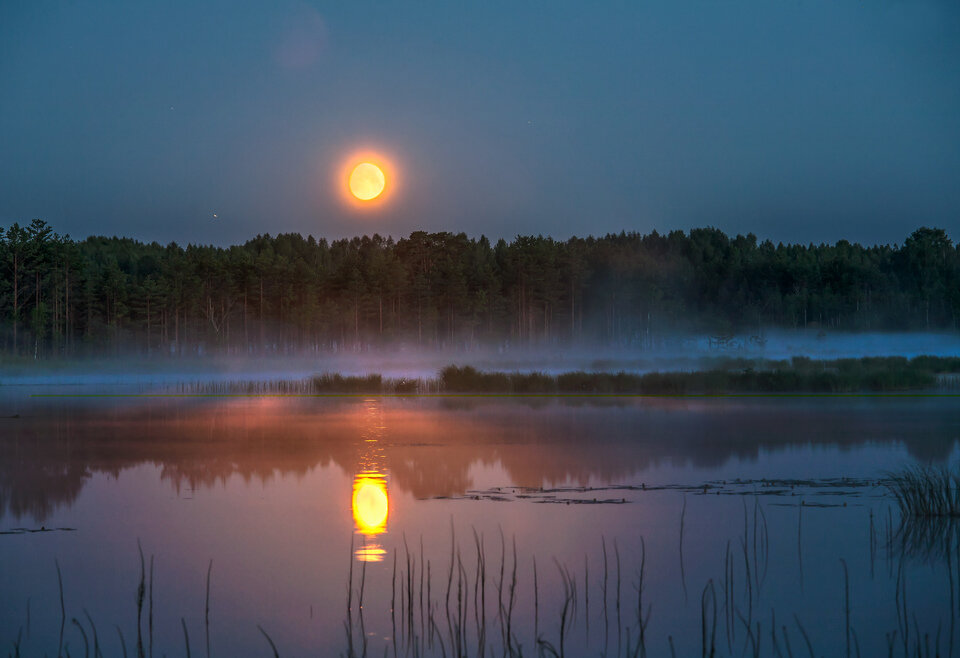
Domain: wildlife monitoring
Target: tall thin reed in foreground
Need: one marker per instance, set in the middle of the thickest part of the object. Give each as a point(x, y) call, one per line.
point(273, 647)
point(206, 611)
point(63, 610)
point(926, 491)
point(141, 592)
point(569, 636)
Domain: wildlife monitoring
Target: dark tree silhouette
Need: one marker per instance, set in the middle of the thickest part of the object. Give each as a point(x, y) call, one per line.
point(290, 294)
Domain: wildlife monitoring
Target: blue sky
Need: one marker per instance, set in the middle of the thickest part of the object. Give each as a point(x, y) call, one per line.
point(799, 120)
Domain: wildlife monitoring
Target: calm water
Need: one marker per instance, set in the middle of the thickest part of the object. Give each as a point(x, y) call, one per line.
point(759, 501)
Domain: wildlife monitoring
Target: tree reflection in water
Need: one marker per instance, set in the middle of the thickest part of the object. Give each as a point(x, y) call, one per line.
point(428, 447)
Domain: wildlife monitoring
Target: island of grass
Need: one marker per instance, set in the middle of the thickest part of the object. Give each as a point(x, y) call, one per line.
point(799, 375)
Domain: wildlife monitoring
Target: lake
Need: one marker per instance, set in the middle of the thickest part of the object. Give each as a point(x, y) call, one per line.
point(461, 525)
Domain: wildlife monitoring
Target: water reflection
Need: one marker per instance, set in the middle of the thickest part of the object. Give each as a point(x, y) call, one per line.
point(431, 448)
point(371, 507)
point(264, 469)
point(928, 539)
point(370, 502)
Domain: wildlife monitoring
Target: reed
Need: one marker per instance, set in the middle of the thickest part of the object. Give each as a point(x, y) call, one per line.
point(846, 604)
point(273, 647)
point(616, 552)
point(926, 492)
point(536, 602)
point(728, 597)
point(586, 593)
point(123, 642)
point(206, 609)
point(186, 636)
point(643, 621)
point(606, 618)
point(560, 610)
point(421, 587)
point(512, 601)
point(63, 610)
point(708, 621)
point(453, 547)
point(479, 592)
point(83, 634)
point(348, 623)
point(393, 602)
point(150, 611)
point(16, 643)
point(96, 640)
point(806, 637)
point(141, 592)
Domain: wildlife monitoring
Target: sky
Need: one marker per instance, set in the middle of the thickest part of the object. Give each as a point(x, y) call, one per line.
point(212, 122)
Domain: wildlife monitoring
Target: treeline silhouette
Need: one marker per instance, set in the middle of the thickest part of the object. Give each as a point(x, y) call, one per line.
point(290, 294)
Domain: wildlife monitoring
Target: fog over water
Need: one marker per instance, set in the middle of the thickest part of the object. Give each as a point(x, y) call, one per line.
point(678, 352)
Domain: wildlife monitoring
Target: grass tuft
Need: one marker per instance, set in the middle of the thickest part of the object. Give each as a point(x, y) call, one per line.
point(926, 492)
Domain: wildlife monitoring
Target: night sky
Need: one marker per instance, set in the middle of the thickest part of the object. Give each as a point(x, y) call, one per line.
point(798, 120)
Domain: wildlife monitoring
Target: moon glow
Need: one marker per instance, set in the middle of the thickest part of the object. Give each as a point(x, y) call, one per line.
point(367, 181)
point(370, 503)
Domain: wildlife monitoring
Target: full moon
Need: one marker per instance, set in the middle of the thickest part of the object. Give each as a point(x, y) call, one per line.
point(367, 181)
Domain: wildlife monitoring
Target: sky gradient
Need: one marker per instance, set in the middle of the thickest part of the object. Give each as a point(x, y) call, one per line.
point(797, 120)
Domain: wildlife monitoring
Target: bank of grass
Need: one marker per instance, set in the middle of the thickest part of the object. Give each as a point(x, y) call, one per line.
point(325, 384)
point(719, 376)
point(926, 492)
point(798, 375)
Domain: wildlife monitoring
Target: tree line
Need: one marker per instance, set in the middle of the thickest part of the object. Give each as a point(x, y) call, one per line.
point(290, 294)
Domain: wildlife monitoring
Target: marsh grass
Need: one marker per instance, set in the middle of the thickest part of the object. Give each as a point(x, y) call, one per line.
point(324, 384)
point(929, 530)
point(336, 383)
point(798, 375)
point(926, 492)
point(433, 619)
point(721, 376)
point(724, 613)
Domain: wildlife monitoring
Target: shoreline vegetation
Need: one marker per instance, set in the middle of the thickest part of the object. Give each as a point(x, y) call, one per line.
point(727, 376)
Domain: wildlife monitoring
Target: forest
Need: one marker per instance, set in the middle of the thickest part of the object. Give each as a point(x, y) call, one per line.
point(289, 294)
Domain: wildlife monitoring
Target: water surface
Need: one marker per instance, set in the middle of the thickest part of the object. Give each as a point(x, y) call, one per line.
point(760, 501)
